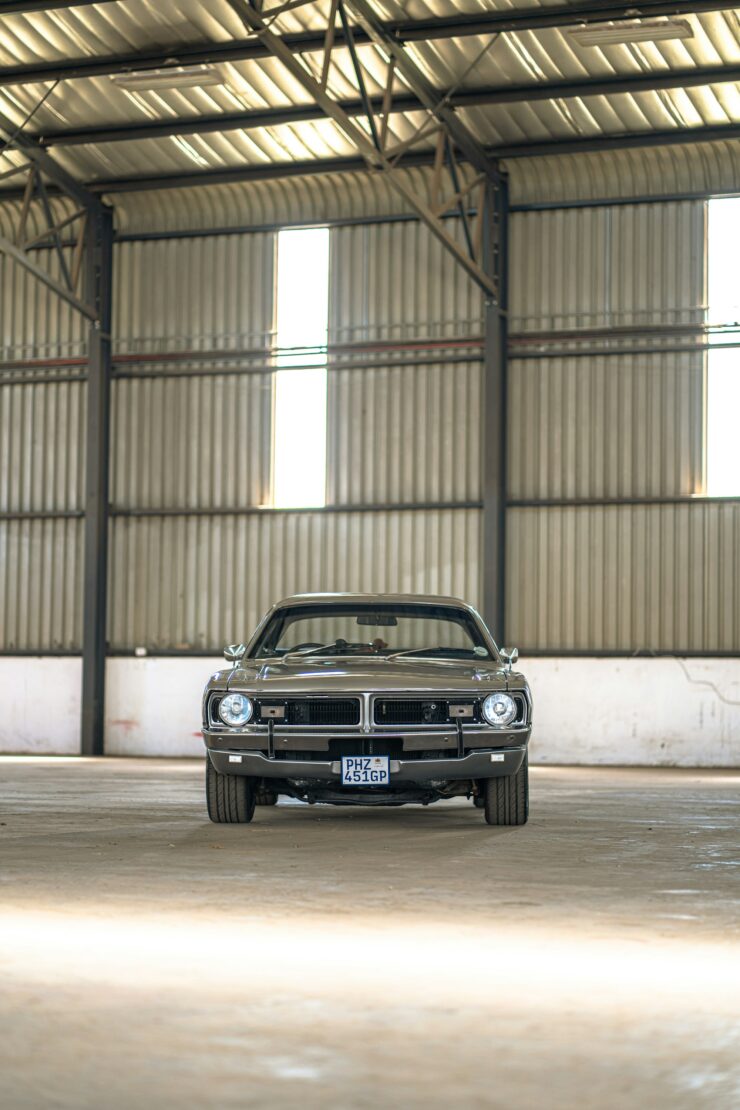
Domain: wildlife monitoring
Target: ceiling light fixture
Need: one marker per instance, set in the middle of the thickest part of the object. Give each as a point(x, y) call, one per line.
point(174, 77)
point(633, 30)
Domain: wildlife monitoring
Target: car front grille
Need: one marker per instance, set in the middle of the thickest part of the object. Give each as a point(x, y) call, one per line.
point(421, 711)
point(312, 711)
point(386, 713)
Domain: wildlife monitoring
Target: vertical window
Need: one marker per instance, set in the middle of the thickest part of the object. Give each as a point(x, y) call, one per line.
point(300, 398)
point(723, 364)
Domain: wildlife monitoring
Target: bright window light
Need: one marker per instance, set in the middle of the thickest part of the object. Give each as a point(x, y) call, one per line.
point(299, 437)
point(723, 369)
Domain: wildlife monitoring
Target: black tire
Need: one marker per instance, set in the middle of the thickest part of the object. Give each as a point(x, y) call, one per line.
point(230, 798)
point(507, 798)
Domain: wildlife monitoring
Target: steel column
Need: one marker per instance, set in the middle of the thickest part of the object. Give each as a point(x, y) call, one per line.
point(494, 409)
point(98, 282)
point(96, 250)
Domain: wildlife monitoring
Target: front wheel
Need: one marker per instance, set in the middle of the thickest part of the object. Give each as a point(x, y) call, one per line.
point(230, 798)
point(506, 800)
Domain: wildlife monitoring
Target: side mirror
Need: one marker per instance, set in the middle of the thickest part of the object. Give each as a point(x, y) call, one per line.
point(234, 653)
point(509, 656)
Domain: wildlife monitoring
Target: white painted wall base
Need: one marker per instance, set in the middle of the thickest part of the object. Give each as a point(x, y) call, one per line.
point(40, 704)
point(644, 712)
point(651, 712)
point(153, 705)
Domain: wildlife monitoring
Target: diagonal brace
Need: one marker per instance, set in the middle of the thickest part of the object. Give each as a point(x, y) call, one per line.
point(51, 168)
point(20, 256)
point(407, 68)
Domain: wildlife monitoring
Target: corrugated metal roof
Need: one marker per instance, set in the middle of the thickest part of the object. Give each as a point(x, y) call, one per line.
point(702, 169)
point(460, 63)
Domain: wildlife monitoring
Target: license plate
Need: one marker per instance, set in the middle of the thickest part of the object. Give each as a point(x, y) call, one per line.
point(365, 770)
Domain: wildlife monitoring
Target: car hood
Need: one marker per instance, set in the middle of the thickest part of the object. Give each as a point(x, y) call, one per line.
point(364, 675)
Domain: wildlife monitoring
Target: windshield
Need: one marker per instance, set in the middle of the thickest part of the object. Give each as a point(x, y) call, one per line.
point(434, 631)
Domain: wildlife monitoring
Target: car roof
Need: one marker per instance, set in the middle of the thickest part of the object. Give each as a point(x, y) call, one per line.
point(392, 599)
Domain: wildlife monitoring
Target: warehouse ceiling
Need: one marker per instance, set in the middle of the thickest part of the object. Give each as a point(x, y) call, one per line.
point(131, 94)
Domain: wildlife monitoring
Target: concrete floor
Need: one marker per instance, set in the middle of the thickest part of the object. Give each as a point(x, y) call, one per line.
point(363, 958)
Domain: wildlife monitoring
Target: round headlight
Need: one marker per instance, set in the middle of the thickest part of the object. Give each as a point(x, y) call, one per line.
point(499, 709)
point(235, 710)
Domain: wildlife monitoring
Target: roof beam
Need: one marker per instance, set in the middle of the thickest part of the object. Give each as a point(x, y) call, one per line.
point(695, 77)
point(424, 30)
point(45, 5)
point(677, 136)
point(270, 171)
point(274, 170)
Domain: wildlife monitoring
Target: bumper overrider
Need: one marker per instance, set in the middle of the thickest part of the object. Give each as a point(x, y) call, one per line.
point(488, 755)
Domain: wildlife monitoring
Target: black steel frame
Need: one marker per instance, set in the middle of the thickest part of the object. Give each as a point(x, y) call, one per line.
point(94, 621)
point(93, 256)
point(494, 409)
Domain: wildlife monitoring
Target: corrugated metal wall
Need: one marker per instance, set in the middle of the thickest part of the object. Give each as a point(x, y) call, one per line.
point(402, 394)
point(607, 266)
point(614, 417)
point(395, 281)
point(622, 578)
point(42, 456)
point(196, 435)
point(613, 425)
point(610, 423)
point(185, 294)
point(405, 434)
point(200, 582)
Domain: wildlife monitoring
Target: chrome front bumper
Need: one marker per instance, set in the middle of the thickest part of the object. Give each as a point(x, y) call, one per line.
point(474, 765)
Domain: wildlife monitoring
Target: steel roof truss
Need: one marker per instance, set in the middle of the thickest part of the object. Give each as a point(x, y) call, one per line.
point(368, 145)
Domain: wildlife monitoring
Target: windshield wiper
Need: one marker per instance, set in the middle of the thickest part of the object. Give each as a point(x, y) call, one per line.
point(310, 650)
point(453, 653)
point(414, 651)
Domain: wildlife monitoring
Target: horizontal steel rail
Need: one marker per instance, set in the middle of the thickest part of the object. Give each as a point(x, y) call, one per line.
point(693, 500)
point(277, 170)
point(269, 510)
point(399, 354)
point(41, 514)
point(629, 84)
point(273, 171)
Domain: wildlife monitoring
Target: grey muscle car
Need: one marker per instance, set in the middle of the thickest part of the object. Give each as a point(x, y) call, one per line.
point(368, 699)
